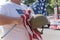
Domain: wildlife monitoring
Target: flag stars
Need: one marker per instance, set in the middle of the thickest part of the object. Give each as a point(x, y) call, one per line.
point(44, 13)
point(34, 8)
point(41, 7)
point(41, 0)
point(38, 4)
point(45, 9)
point(42, 3)
point(45, 5)
point(39, 12)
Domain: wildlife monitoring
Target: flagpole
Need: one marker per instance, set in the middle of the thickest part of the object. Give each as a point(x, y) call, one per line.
point(56, 10)
point(8, 31)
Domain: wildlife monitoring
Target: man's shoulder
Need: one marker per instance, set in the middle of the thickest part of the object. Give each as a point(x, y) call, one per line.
point(24, 5)
point(5, 5)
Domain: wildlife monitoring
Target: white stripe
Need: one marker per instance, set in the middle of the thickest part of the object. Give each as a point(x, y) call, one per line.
point(29, 30)
point(27, 27)
point(37, 36)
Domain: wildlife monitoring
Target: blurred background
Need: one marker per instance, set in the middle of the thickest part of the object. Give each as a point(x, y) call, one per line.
point(52, 32)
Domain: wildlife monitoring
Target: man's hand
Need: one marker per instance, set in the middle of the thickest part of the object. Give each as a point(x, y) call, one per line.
point(9, 20)
point(37, 21)
point(18, 21)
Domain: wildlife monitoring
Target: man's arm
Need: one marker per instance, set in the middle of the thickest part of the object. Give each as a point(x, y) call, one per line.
point(8, 20)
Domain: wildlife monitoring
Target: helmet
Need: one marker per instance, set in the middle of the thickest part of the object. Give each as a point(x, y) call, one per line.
point(38, 20)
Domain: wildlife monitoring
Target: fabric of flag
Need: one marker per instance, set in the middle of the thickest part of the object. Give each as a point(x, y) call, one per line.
point(33, 34)
point(39, 7)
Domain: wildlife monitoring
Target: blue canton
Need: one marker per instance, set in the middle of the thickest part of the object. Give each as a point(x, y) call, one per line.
point(39, 7)
point(20, 11)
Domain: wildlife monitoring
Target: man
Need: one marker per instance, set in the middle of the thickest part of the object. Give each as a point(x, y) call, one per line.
point(10, 8)
point(10, 14)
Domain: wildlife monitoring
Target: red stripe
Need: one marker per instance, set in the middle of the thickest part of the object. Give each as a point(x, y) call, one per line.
point(25, 21)
point(38, 33)
point(30, 36)
point(34, 36)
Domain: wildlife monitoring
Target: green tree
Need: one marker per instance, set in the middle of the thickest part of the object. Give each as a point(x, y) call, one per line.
point(50, 6)
point(48, 1)
point(27, 2)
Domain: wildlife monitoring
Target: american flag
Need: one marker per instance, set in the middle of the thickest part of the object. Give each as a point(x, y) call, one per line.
point(34, 34)
point(39, 7)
